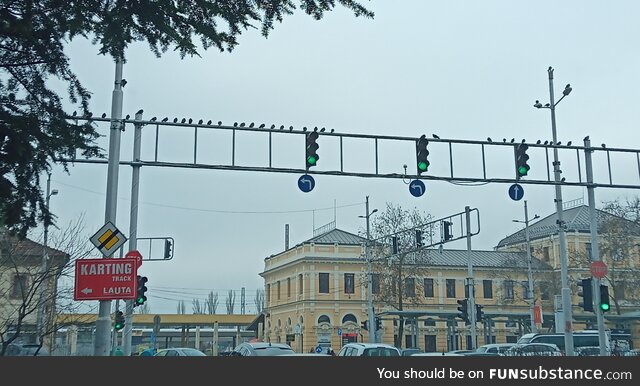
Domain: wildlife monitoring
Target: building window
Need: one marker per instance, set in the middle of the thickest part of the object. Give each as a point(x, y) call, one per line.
point(19, 286)
point(451, 288)
point(268, 294)
point(588, 251)
point(430, 323)
point(428, 288)
point(278, 290)
point(508, 289)
point(410, 287)
point(619, 290)
point(300, 284)
point(288, 287)
point(375, 283)
point(349, 318)
point(324, 319)
point(430, 343)
point(545, 253)
point(487, 289)
point(323, 283)
point(545, 291)
point(525, 290)
point(349, 283)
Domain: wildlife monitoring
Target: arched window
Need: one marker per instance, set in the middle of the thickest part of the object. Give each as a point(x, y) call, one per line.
point(349, 318)
point(324, 319)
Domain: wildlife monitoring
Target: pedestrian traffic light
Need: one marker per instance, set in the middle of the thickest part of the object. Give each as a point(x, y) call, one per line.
point(142, 288)
point(119, 321)
point(419, 243)
point(394, 244)
point(522, 167)
point(586, 293)
point(378, 324)
point(463, 311)
point(364, 325)
point(422, 154)
point(168, 253)
point(312, 157)
point(446, 226)
point(479, 312)
point(604, 298)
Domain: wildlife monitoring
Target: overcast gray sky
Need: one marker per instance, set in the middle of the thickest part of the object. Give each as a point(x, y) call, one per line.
point(462, 70)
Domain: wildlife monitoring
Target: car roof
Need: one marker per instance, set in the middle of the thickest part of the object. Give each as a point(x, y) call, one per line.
point(434, 354)
point(267, 344)
point(369, 345)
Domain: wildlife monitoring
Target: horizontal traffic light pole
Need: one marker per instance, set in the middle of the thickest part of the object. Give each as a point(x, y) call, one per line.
point(423, 175)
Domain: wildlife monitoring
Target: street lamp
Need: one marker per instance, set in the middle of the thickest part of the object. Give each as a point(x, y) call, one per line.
point(45, 261)
point(529, 271)
point(564, 271)
point(371, 316)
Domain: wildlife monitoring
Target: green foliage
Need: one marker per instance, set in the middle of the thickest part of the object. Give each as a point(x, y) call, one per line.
point(35, 131)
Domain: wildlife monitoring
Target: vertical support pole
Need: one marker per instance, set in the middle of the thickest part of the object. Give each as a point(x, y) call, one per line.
point(529, 269)
point(371, 316)
point(471, 304)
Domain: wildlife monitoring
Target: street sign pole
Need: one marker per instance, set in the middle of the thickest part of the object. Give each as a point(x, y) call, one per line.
point(595, 255)
point(470, 282)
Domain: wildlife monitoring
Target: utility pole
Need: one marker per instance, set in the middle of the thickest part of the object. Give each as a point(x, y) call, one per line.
point(595, 254)
point(371, 315)
point(102, 341)
point(44, 267)
point(529, 271)
point(471, 304)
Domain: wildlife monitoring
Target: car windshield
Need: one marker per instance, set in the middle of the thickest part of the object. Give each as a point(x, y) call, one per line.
point(272, 350)
point(193, 353)
point(380, 352)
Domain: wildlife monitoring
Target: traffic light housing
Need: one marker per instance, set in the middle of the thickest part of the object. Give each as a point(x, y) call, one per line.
point(604, 298)
point(394, 244)
point(446, 226)
point(522, 167)
point(119, 321)
point(168, 253)
point(422, 154)
point(364, 325)
point(463, 309)
point(419, 243)
point(378, 324)
point(311, 158)
point(142, 288)
point(586, 293)
point(479, 312)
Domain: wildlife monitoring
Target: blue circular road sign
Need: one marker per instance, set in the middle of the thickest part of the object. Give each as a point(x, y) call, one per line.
point(318, 349)
point(516, 192)
point(416, 188)
point(306, 183)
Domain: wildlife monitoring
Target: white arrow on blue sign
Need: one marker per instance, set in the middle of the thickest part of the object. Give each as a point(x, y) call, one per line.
point(516, 192)
point(306, 183)
point(416, 188)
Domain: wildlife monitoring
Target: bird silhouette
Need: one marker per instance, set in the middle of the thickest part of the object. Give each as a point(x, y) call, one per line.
point(547, 105)
point(175, 120)
point(537, 104)
point(513, 140)
point(435, 136)
point(538, 142)
point(127, 117)
point(331, 130)
point(586, 138)
point(523, 141)
point(200, 122)
point(315, 128)
point(183, 120)
point(322, 130)
point(261, 126)
point(165, 119)
point(242, 124)
point(219, 123)
point(604, 146)
point(558, 143)
point(489, 139)
point(273, 126)
point(281, 127)
point(235, 124)
point(190, 120)
point(567, 90)
point(104, 115)
point(154, 119)
point(562, 179)
point(546, 142)
point(251, 124)
point(74, 113)
point(569, 143)
point(209, 122)
point(88, 114)
point(139, 112)
point(504, 140)
point(304, 128)
point(290, 128)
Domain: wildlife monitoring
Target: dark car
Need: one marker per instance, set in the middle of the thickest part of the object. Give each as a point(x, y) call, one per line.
point(410, 351)
point(262, 349)
point(534, 349)
point(16, 349)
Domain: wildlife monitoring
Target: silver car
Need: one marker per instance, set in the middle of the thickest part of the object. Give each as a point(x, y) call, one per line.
point(180, 352)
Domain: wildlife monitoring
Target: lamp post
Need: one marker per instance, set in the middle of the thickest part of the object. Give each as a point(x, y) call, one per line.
point(564, 270)
point(44, 276)
point(371, 316)
point(529, 271)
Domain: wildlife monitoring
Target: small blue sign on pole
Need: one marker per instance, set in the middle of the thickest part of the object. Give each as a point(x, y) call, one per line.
point(416, 188)
point(339, 331)
point(318, 349)
point(306, 183)
point(516, 192)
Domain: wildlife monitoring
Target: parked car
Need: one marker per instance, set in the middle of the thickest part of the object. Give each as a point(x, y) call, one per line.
point(261, 349)
point(534, 349)
point(410, 351)
point(180, 352)
point(494, 348)
point(369, 350)
point(17, 349)
point(587, 351)
point(438, 354)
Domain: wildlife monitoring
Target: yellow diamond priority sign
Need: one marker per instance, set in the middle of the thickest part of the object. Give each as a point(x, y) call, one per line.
point(108, 239)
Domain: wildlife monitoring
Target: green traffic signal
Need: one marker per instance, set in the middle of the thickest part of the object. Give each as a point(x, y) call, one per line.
point(312, 146)
point(422, 163)
point(522, 168)
point(423, 166)
point(604, 307)
point(604, 298)
point(311, 160)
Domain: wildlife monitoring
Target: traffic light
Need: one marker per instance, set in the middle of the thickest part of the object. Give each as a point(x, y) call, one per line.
point(364, 325)
point(421, 154)
point(119, 321)
point(394, 244)
point(312, 150)
point(522, 167)
point(446, 226)
point(604, 298)
point(168, 253)
point(378, 323)
point(419, 243)
point(142, 288)
point(463, 311)
point(479, 312)
point(587, 294)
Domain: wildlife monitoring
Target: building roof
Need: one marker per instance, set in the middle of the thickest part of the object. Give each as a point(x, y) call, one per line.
point(484, 259)
point(576, 219)
point(337, 236)
point(12, 246)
